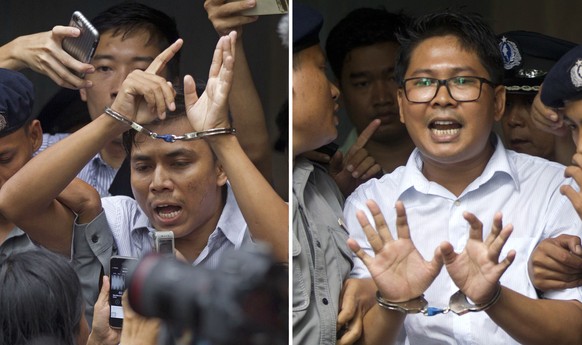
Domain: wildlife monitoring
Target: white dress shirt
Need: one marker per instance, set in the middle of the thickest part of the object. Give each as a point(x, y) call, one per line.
point(524, 188)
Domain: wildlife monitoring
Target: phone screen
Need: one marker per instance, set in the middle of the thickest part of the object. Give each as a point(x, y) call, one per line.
point(120, 267)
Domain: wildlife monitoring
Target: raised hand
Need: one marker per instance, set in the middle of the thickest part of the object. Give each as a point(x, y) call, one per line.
point(547, 119)
point(42, 52)
point(144, 95)
point(226, 17)
point(357, 166)
point(211, 109)
point(476, 270)
point(398, 269)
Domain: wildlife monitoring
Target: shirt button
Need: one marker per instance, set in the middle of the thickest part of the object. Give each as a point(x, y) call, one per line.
point(94, 238)
point(457, 203)
point(325, 301)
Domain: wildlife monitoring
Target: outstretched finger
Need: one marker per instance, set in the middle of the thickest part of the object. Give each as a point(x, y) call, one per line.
point(360, 253)
point(363, 138)
point(162, 60)
point(497, 245)
point(379, 221)
point(476, 231)
point(190, 94)
point(374, 239)
point(495, 228)
point(401, 221)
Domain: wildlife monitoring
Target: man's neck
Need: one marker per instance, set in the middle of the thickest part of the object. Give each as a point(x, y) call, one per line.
point(194, 243)
point(456, 177)
point(5, 229)
point(113, 154)
point(390, 156)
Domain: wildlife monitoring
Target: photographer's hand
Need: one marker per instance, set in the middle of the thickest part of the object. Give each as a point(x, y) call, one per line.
point(138, 330)
point(102, 334)
point(42, 52)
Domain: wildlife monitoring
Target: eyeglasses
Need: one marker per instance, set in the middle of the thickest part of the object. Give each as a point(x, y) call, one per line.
point(461, 88)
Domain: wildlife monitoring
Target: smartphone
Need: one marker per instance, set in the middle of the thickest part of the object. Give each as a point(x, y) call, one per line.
point(82, 47)
point(265, 7)
point(119, 266)
point(164, 242)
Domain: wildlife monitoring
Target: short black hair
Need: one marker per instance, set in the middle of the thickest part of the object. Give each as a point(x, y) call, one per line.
point(128, 17)
point(470, 28)
point(360, 28)
point(41, 296)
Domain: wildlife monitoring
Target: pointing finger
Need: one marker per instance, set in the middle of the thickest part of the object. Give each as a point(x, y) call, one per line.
point(162, 60)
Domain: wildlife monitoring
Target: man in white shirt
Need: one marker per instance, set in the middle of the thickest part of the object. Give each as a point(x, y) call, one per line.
point(450, 71)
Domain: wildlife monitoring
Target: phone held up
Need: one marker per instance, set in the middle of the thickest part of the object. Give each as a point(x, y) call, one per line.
point(83, 46)
point(120, 266)
point(265, 7)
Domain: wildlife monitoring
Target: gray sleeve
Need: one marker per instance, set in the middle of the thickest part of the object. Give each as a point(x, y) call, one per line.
point(93, 245)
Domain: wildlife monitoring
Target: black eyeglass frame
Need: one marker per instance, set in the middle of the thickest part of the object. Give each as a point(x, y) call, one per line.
point(444, 82)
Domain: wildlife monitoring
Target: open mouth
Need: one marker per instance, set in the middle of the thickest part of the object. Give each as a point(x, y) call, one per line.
point(168, 212)
point(445, 127)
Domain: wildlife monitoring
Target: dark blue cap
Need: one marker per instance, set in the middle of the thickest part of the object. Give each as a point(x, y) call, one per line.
point(528, 57)
point(16, 100)
point(306, 25)
point(564, 82)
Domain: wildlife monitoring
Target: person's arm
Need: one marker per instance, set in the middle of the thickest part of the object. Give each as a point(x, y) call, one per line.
point(556, 263)
point(245, 104)
point(266, 214)
point(42, 52)
point(538, 321)
point(477, 270)
point(30, 196)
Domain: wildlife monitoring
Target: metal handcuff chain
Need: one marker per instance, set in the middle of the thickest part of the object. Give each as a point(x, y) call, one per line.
point(169, 138)
point(458, 304)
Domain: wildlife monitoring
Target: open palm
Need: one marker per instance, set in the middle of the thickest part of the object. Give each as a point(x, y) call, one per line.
point(211, 109)
point(477, 270)
point(399, 270)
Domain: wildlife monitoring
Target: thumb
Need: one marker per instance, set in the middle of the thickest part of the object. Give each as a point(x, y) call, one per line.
point(190, 95)
point(447, 253)
point(104, 293)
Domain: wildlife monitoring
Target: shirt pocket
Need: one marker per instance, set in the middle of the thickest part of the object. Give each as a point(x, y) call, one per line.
point(343, 252)
point(301, 278)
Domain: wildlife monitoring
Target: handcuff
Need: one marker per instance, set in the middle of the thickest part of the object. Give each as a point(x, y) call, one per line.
point(169, 138)
point(458, 304)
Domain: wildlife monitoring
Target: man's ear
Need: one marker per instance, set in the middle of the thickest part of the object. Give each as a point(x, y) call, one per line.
point(221, 177)
point(35, 134)
point(500, 95)
point(400, 99)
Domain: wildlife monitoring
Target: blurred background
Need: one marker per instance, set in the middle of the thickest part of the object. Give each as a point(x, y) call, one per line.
point(268, 58)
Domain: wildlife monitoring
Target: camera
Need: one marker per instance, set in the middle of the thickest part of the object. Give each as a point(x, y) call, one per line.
point(243, 301)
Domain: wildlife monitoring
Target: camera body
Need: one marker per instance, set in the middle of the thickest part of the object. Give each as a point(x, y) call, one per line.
point(243, 297)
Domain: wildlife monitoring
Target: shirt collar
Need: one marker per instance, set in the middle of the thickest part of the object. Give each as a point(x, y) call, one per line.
point(499, 163)
point(231, 222)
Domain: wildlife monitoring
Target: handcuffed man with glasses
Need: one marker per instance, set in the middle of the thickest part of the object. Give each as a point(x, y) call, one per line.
point(445, 206)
